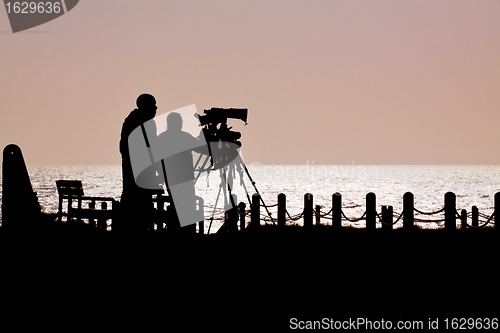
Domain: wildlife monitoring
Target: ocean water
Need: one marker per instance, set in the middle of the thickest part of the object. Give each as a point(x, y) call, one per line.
point(473, 185)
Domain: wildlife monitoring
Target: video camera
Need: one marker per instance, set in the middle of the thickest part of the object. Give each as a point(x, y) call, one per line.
point(218, 117)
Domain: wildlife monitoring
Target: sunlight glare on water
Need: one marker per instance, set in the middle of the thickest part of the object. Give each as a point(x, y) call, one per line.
point(473, 185)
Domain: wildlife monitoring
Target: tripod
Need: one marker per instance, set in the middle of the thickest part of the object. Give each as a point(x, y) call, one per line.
point(227, 175)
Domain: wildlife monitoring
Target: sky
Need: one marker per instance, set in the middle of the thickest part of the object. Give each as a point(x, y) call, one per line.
point(325, 82)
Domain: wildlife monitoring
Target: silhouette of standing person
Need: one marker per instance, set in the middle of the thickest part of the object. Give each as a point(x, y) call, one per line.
point(177, 146)
point(136, 202)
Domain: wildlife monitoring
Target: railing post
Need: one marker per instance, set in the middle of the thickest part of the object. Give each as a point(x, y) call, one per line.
point(408, 211)
point(281, 210)
point(371, 211)
point(255, 211)
point(317, 213)
point(337, 210)
point(475, 216)
point(231, 215)
point(497, 211)
point(242, 210)
point(308, 210)
point(450, 211)
point(387, 216)
point(463, 219)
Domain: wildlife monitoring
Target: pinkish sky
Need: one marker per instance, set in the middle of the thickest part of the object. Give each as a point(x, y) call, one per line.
point(334, 82)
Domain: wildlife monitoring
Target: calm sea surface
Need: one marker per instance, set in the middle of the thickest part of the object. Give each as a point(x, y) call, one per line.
point(473, 185)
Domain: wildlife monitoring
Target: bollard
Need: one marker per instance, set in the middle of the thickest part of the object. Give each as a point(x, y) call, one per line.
point(463, 219)
point(255, 211)
point(337, 210)
point(317, 213)
point(281, 210)
point(387, 216)
point(371, 211)
point(450, 211)
point(308, 210)
point(408, 211)
point(19, 201)
point(242, 211)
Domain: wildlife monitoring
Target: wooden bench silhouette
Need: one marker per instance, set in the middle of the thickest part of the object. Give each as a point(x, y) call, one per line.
point(74, 205)
point(71, 192)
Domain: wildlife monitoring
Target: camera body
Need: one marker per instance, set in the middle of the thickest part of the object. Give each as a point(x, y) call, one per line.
point(220, 115)
point(222, 142)
point(215, 124)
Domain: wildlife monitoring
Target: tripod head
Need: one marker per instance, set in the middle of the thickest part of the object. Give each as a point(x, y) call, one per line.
point(223, 142)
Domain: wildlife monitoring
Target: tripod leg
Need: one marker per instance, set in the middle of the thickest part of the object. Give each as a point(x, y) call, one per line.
point(240, 161)
point(242, 183)
point(198, 161)
point(230, 178)
point(215, 207)
point(202, 167)
point(223, 183)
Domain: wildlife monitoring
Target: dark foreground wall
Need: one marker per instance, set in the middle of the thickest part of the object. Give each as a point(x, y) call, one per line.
point(79, 277)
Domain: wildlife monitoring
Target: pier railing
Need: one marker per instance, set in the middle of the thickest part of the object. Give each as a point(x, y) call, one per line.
point(241, 217)
point(387, 218)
